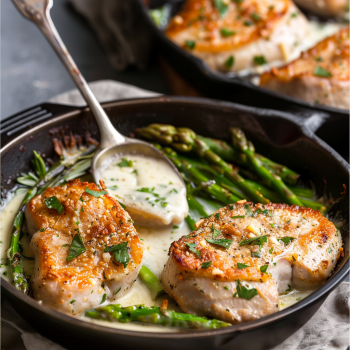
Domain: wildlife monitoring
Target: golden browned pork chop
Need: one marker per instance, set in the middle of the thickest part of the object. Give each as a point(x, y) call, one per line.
point(237, 262)
point(73, 274)
point(320, 75)
point(242, 34)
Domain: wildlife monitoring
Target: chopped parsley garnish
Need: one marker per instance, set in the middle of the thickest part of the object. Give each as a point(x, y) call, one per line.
point(226, 287)
point(72, 301)
point(329, 250)
point(321, 72)
point(217, 215)
point(42, 230)
point(298, 299)
point(64, 245)
point(244, 292)
point(207, 264)
point(104, 297)
point(242, 266)
point(122, 205)
point(192, 248)
point(227, 32)
point(286, 240)
point(96, 194)
point(54, 203)
point(271, 250)
point(77, 247)
point(82, 209)
point(125, 163)
point(264, 212)
point(289, 288)
point(238, 217)
point(230, 61)
point(164, 204)
point(117, 291)
point(148, 190)
point(264, 268)
point(221, 242)
point(254, 241)
point(260, 60)
point(175, 227)
point(294, 15)
point(221, 6)
point(206, 217)
point(120, 253)
point(190, 44)
point(248, 23)
point(256, 255)
point(248, 210)
point(319, 59)
point(215, 231)
point(255, 16)
point(115, 187)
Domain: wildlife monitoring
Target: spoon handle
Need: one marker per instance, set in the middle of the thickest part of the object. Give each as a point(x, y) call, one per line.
point(39, 12)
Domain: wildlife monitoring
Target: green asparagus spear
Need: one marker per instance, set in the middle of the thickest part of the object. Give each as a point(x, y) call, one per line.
point(219, 178)
point(151, 281)
point(155, 315)
point(213, 189)
point(14, 257)
point(182, 139)
point(195, 212)
point(229, 154)
point(240, 142)
point(203, 150)
point(276, 199)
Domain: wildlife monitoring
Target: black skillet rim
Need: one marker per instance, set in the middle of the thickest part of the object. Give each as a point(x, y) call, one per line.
point(334, 281)
point(217, 76)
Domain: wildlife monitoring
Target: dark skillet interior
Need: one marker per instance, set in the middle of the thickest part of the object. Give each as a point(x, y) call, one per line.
point(273, 133)
point(217, 85)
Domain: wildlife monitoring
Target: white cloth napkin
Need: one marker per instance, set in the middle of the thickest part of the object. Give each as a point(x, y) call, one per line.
point(123, 35)
point(328, 329)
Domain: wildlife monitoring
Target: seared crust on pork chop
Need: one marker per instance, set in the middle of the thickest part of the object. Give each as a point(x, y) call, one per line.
point(319, 75)
point(101, 222)
point(230, 41)
point(267, 247)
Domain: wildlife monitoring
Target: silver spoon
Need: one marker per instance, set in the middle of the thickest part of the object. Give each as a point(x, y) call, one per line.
point(112, 142)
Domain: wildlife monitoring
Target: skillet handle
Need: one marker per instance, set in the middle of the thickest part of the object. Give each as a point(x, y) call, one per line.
point(16, 124)
point(310, 120)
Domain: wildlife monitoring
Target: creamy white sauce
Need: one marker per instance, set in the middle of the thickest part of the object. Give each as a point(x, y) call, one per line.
point(317, 32)
point(149, 188)
point(157, 242)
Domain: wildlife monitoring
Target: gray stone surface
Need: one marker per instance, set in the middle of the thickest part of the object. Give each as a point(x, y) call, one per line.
point(31, 73)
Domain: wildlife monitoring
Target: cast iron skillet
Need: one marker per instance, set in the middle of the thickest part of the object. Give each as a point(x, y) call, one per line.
point(278, 135)
point(218, 85)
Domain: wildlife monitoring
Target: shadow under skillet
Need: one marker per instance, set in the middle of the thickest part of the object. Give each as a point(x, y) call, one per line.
point(31, 73)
